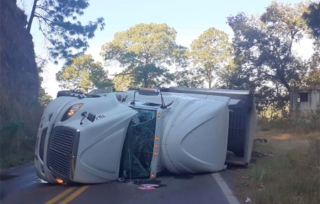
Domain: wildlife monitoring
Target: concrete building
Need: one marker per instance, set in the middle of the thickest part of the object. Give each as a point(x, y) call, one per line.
point(305, 100)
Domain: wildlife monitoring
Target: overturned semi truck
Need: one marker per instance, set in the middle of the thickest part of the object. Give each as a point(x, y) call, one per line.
point(100, 137)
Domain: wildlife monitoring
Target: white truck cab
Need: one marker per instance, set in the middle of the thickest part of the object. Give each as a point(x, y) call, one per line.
point(139, 133)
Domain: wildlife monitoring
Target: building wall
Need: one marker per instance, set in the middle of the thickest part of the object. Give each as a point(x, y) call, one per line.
point(313, 102)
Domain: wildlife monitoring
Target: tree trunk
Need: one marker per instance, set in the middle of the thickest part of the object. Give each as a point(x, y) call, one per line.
point(210, 80)
point(145, 79)
point(283, 80)
point(208, 74)
point(32, 15)
point(145, 73)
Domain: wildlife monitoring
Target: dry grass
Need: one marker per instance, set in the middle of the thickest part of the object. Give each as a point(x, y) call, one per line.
point(286, 169)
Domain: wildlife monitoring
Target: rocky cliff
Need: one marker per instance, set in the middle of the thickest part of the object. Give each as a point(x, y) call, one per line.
point(19, 81)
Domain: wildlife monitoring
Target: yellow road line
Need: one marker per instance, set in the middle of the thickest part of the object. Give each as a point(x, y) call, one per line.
point(74, 195)
point(61, 195)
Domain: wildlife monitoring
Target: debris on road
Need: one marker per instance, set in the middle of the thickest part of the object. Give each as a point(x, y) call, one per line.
point(150, 186)
point(261, 140)
point(147, 187)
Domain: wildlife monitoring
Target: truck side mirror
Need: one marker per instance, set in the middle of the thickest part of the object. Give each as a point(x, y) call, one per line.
point(145, 91)
point(91, 117)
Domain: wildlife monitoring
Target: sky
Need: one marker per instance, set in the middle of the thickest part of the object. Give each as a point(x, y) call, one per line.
point(189, 18)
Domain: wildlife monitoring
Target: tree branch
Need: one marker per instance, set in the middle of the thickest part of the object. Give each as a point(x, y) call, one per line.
point(44, 9)
point(38, 15)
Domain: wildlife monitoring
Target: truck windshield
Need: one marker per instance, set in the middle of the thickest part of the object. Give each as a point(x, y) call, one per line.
point(138, 145)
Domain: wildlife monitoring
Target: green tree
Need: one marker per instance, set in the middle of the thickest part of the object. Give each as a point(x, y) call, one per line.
point(264, 58)
point(188, 77)
point(312, 80)
point(44, 98)
point(144, 50)
point(185, 75)
point(83, 74)
point(312, 16)
point(227, 74)
point(122, 82)
point(263, 44)
point(58, 23)
point(210, 53)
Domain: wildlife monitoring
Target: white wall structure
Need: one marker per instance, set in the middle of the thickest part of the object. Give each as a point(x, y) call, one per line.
point(305, 100)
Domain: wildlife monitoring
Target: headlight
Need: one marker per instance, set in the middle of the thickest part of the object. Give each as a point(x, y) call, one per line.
point(71, 111)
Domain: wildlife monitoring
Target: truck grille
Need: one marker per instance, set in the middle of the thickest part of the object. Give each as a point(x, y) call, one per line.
point(61, 149)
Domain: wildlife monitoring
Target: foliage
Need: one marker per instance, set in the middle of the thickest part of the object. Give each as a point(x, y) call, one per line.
point(150, 75)
point(315, 59)
point(312, 80)
point(303, 122)
point(265, 61)
point(59, 24)
point(185, 75)
point(122, 82)
point(83, 74)
point(210, 53)
point(263, 44)
point(44, 98)
point(188, 77)
point(227, 75)
point(312, 16)
point(16, 146)
point(144, 50)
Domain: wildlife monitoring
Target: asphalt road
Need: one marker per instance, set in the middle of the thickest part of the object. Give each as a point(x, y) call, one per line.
point(20, 185)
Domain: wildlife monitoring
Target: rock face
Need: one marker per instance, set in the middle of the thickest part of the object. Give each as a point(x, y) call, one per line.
point(19, 80)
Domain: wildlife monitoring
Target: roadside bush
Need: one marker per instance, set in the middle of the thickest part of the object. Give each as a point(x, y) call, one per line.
point(16, 144)
point(302, 122)
point(19, 123)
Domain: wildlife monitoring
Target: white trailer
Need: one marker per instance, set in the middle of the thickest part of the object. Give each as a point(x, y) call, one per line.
point(100, 137)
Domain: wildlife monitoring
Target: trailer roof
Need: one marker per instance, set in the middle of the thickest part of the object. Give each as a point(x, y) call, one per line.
point(233, 94)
